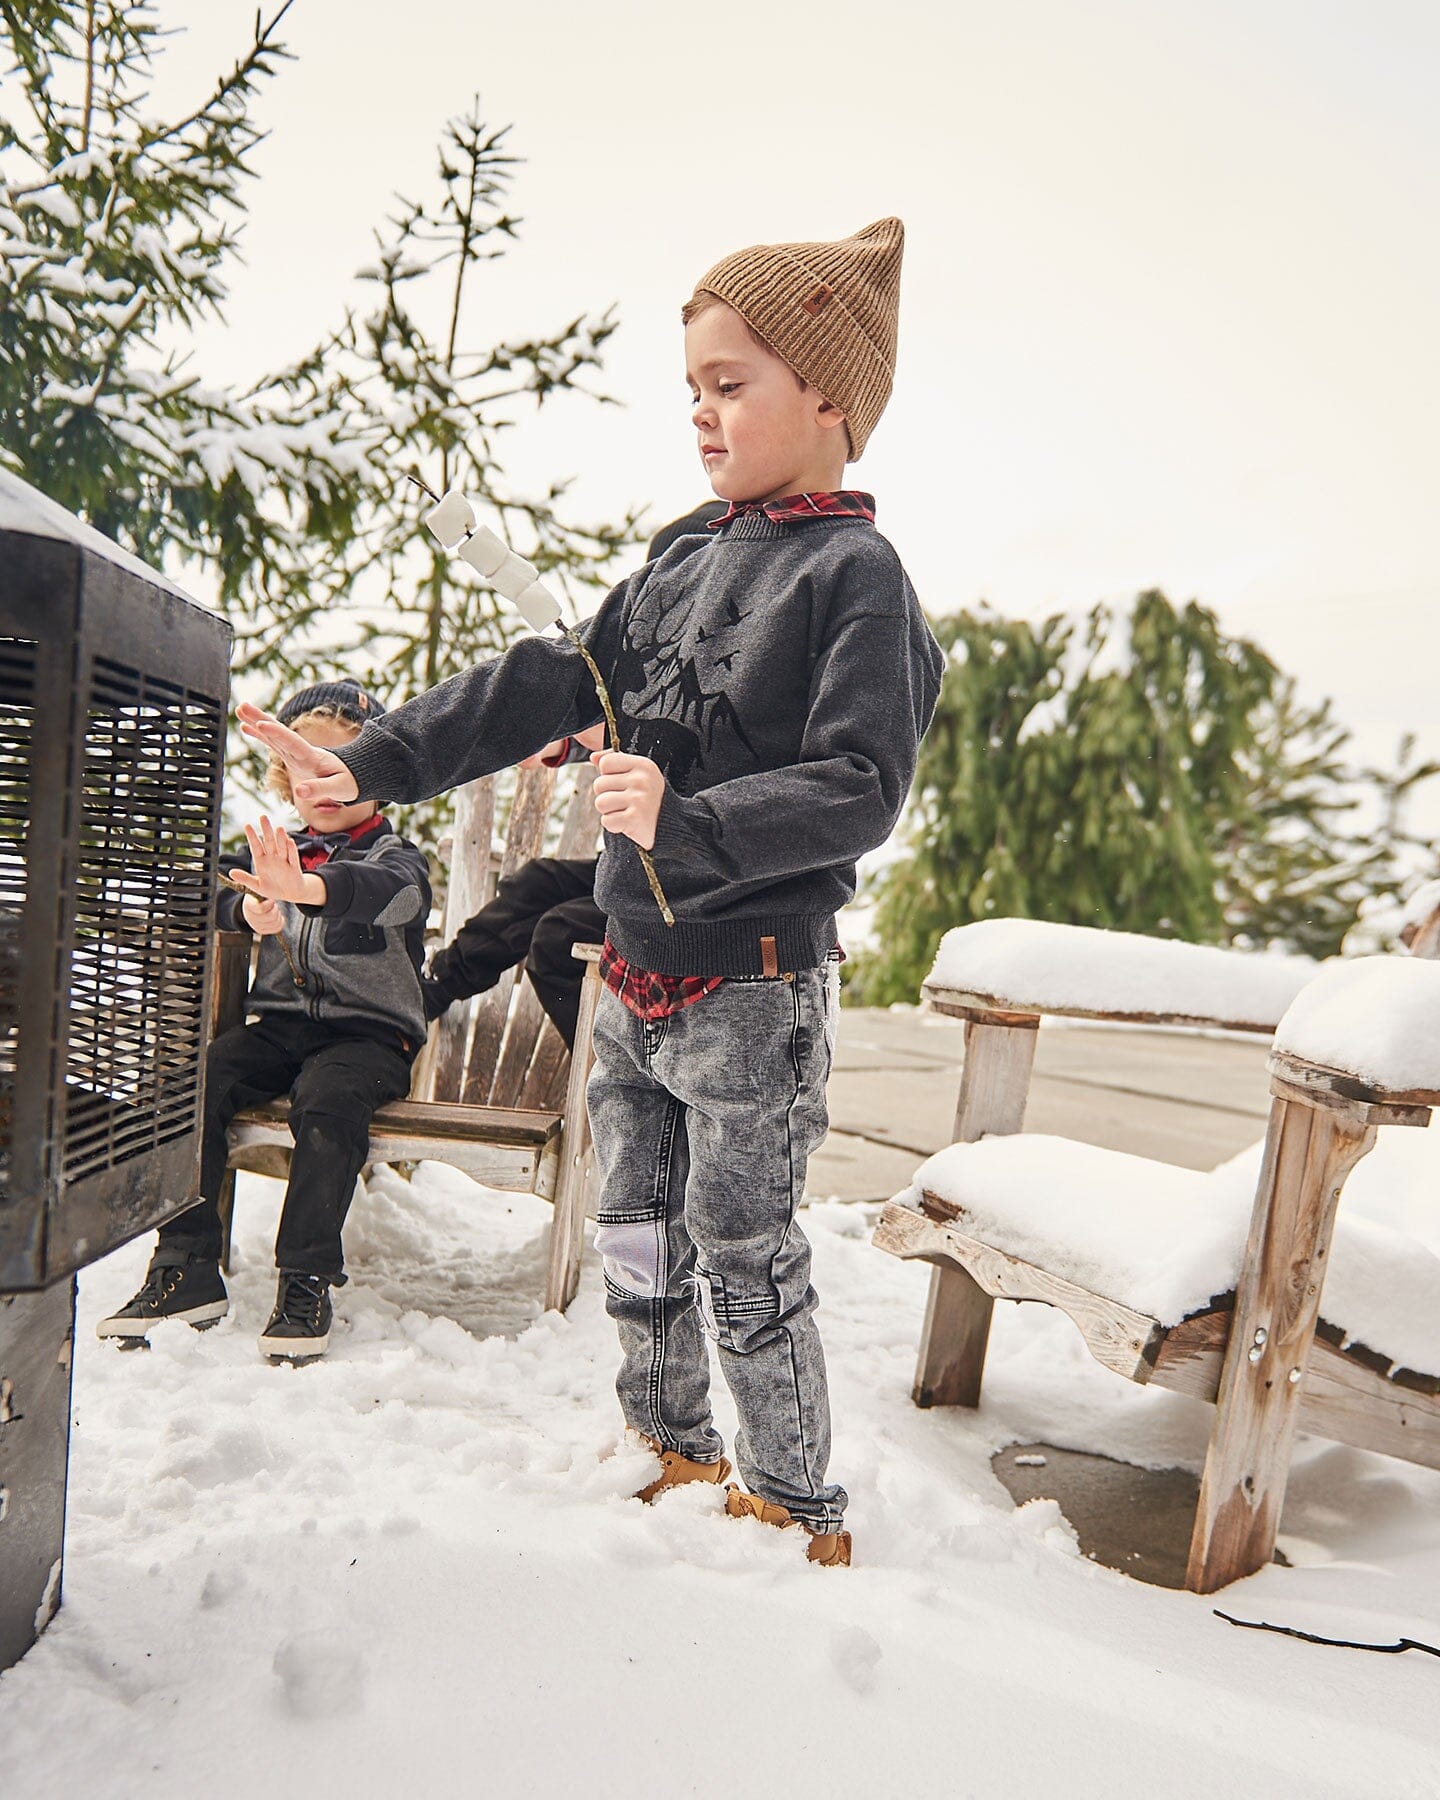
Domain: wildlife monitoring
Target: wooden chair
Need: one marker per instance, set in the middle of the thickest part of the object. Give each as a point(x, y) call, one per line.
point(1264, 1355)
point(495, 1093)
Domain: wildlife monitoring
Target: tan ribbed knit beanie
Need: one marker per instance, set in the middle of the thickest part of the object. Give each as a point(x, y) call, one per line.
point(829, 310)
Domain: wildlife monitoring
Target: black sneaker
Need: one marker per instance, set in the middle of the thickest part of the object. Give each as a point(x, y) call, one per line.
point(191, 1290)
point(300, 1324)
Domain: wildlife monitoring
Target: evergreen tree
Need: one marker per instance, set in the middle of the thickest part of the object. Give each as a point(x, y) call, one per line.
point(1141, 771)
point(1298, 863)
point(289, 495)
point(415, 398)
point(114, 233)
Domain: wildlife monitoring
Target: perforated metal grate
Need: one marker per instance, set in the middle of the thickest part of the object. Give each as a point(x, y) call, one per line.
point(143, 881)
point(17, 730)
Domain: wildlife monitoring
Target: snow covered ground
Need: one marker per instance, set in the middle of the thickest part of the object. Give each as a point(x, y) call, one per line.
point(413, 1568)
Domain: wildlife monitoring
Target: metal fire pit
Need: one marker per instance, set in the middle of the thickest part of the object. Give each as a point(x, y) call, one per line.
point(113, 696)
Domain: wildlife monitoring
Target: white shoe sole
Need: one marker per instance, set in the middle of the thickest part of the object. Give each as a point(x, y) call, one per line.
point(294, 1349)
point(138, 1328)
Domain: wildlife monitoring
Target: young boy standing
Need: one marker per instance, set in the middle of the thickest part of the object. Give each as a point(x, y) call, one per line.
point(773, 680)
point(339, 908)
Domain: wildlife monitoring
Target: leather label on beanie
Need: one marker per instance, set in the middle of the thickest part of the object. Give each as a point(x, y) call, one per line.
point(817, 300)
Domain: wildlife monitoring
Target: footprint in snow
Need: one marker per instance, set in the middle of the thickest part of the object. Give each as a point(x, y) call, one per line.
point(319, 1676)
point(856, 1656)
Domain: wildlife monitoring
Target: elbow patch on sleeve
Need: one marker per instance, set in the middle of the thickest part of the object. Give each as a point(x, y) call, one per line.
point(401, 909)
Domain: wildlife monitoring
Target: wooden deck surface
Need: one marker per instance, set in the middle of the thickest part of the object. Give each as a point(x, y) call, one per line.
point(1179, 1096)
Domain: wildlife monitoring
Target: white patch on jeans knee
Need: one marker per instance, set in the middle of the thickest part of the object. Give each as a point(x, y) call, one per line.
point(704, 1289)
point(832, 1004)
point(633, 1254)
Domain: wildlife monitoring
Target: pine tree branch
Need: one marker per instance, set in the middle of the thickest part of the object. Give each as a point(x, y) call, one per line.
point(239, 79)
point(89, 75)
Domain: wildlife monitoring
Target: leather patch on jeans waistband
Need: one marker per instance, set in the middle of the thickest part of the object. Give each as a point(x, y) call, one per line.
point(769, 959)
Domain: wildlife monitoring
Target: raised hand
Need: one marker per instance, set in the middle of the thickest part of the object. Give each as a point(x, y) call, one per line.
point(277, 874)
point(628, 792)
point(314, 773)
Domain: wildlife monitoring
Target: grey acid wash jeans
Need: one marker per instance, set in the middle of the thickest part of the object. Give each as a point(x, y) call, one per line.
point(703, 1123)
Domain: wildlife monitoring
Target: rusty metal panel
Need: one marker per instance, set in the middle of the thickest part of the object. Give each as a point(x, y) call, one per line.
point(36, 1341)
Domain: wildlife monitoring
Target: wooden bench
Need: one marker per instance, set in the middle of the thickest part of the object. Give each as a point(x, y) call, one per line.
point(495, 1093)
point(1263, 1353)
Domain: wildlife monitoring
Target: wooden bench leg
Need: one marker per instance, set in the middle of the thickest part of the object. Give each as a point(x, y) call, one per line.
point(994, 1085)
point(567, 1228)
point(953, 1340)
point(1309, 1150)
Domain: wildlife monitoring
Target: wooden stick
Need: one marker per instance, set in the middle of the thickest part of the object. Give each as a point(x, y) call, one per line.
point(240, 888)
point(612, 725)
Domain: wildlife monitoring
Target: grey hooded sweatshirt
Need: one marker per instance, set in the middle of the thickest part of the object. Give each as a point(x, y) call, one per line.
point(359, 954)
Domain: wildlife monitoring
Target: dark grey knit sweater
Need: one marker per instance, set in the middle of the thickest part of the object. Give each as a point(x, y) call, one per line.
point(781, 675)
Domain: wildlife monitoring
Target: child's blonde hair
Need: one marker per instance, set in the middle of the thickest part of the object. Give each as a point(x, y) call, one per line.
point(277, 776)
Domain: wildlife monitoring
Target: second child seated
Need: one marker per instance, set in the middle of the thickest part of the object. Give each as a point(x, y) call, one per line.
point(348, 897)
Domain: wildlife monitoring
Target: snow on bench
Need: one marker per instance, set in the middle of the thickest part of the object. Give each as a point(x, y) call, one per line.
point(1374, 1017)
point(1167, 1242)
point(1031, 966)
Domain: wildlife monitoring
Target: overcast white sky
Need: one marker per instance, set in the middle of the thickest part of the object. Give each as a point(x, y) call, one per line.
point(1171, 291)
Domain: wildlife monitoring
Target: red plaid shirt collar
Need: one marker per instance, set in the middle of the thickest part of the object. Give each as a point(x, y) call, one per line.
point(847, 503)
point(648, 995)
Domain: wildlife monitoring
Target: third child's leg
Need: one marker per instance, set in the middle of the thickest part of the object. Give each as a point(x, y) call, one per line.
point(555, 974)
point(499, 936)
point(641, 1146)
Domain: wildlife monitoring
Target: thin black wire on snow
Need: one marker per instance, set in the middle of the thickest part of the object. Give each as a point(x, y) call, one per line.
point(1310, 1637)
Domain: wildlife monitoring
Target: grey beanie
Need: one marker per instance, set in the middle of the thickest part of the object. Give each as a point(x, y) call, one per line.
point(346, 699)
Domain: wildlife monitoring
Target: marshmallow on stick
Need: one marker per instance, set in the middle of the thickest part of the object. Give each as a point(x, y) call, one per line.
point(454, 526)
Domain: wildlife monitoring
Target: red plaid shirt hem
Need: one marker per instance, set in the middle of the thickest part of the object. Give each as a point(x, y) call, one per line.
point(648, 995)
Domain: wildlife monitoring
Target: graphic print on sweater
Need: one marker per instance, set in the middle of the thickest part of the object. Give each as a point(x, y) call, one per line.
point(670, 678)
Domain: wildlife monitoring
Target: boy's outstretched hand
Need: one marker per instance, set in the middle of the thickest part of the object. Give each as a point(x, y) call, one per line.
point(314, 773)
point(628, 792)
point(277, 874)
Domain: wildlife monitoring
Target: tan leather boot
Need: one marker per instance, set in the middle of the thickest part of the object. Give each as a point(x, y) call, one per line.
point(831, 1549)
point(676, 1470)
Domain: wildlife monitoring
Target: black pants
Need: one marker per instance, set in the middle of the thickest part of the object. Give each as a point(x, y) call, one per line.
point(535, 917)
point(335, 1083)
